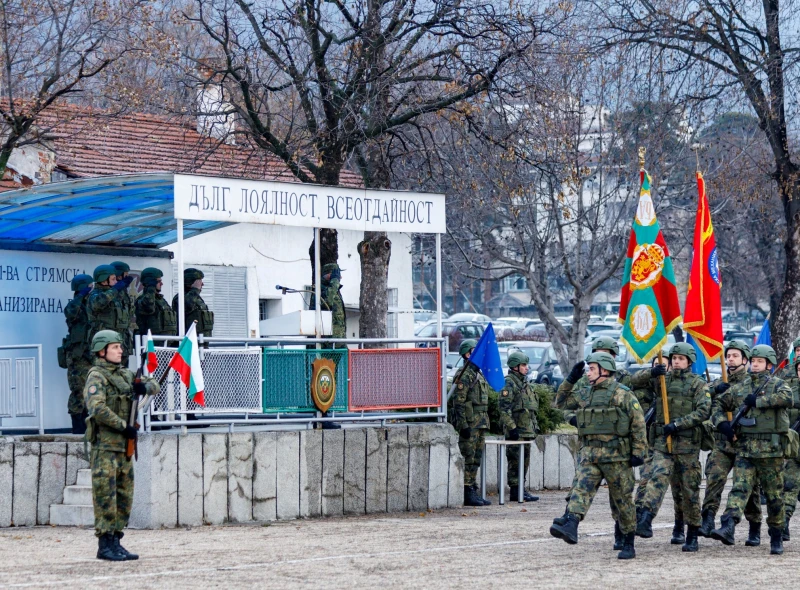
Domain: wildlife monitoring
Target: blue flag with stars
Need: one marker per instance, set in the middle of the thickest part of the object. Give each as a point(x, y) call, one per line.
point(486, 356)
point(765, 336)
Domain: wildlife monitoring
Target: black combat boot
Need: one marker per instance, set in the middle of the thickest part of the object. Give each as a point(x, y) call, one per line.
point(562, 520)
point(775, 541)
point(568, 531)
point(619, 538)
point(121, 550)
point(628, 552)
point(726, 530)
point(644, 526)
point(691, 539)
point(786, 536)
point(484, 501)
point(678, 538)
point(708, 524)
point(530, 497)
point(471, 497)
point(639, 513)
point(754, 536)
point(106, 549)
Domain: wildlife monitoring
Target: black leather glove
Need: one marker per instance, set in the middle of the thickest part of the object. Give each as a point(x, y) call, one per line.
point(750, 400)
point(129, 432)
point(636, 461)
point(725, 429)
point(85, 291)
point(513, 434)
point(465, 432)
point(574, 421)
point(721, 388)
point(576, 372)
point(670, 429)
point(658, 370)
point(139, 388)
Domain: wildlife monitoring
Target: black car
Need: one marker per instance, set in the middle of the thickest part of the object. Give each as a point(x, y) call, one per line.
point(455, 332)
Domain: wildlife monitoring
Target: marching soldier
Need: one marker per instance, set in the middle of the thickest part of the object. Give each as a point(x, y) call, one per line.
point(758, 444)
point(791, 477)
point(722, 457)
point(110, 388)
point(689, 405)
point(613, 441)
point(470, 418)
point(76, 348)
point(195, 308)
point(152, 310)
point(105, 308)
point(519, 405)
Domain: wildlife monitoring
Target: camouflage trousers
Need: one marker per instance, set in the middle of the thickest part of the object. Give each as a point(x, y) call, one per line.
point(619, 476)
point(674, 485)
point(683, 471)
point(77, 372)
point(472, 450)
point(718, 466)
point(112, 491)
point(769, 473)
point(512, 455)
point(791, 485)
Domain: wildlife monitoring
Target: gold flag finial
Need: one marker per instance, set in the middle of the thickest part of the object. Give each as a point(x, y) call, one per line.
point(642, 151)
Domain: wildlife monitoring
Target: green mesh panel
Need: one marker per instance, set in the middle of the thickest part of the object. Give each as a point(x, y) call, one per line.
point(287, 379)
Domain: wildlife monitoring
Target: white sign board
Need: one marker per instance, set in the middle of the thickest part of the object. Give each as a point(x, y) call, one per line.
point(206, 198)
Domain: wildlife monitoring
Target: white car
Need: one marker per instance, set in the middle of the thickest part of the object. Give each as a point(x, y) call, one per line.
point(469, 317)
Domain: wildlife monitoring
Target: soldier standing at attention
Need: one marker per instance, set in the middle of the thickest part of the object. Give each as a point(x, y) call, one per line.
point(127, 302)
point(689, 405)
point(519, 405)
point(470, 419)
point(196, 309)
point(791, 476)
point(758, 444)
point(105, 308)
point(722, 457)
point(110, 388)
point(152, 310)
point(76, 346)
point(613, 441)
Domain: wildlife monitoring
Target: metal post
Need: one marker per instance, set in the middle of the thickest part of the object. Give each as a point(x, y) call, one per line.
point(521, 484)
point(41, 390)
point(443, 345)
point(501, 484)
point(181, 299)
point(317, 288)
point(483, 472)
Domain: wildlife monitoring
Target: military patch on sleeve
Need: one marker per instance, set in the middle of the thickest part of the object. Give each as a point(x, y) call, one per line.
point(505, 393)
point(93, 389)
point(708, 394)
point(461, 386)
point(636, 406)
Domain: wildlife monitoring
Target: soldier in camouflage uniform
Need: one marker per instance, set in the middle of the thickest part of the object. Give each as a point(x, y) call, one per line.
point(470, 418)
point(519, 404)
point(689, 405)
point(791, 474)
point(109, 392)
point(76, 348)
point(331, 291)
point(613, 441)
point(105, 306)
point(722, 457)
point(194, 306)
point(758, 444)
point(153, 313)
point(128, 305)
point(788, 371)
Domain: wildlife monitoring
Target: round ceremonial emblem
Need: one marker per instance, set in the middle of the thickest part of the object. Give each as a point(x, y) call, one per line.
point(646, 266)
point(642, 322)
point(713, 266)
point(645, 212)
point(323, 384)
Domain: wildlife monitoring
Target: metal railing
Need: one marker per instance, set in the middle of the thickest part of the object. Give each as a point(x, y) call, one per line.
point(21, 393)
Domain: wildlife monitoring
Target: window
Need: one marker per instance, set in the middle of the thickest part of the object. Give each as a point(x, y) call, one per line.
point(515, 283)
point(262, 309)
point(391, 317)
point(225, 293)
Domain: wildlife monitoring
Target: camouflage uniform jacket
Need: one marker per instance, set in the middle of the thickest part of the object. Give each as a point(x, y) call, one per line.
point(572, 393)
point(109, 392)
point(519, 404)
point(610, 448)
point(196, 310)
point(106, 312)
point(775, 395)
point(155, 314)
point(78, 327)
point(794, 411)
point(721, 442)
point(471, 399)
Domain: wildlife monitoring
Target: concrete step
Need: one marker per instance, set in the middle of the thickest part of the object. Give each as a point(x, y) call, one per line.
point(78, 496)
point(84, 477)
point(72, 515)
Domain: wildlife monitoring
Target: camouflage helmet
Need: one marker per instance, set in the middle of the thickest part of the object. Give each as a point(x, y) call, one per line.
point(605, 343)
point(764, 351)
point(605, 360)
point(190, 275)
point(102, 272)
point(796, 343)
point(81, 281)
point(150, 276)
point(103, 338)
point(739, 345)
point(517, 358)
point(121, 267)
point(685, 349)
point(466, 346)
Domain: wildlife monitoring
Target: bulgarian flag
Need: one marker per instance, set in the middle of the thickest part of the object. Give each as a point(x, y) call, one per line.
point(649, 307)
point(152, 359)
point(186, 363)
point(703, 311)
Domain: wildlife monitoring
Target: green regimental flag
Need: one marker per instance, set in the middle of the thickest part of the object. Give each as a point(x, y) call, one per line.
point(649, 307)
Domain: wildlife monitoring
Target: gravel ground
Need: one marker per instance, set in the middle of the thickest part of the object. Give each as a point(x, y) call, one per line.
point(494, 547)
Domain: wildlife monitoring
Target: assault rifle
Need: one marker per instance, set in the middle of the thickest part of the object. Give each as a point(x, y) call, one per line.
point(743, 409)
point(650, 416)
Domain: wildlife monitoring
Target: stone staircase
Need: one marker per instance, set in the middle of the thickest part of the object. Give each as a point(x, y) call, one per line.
point(77, 509)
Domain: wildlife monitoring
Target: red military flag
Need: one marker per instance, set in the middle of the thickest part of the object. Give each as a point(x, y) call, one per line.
point(703, 312)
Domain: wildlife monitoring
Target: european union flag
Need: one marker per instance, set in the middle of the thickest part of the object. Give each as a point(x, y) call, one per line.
point(486, 357)
point(765, 336)
point(700, 365)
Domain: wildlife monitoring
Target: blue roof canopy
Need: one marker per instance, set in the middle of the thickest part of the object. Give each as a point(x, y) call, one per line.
point(134, 211)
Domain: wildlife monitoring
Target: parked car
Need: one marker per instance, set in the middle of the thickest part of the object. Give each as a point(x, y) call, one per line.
point(743, 335)
point(615, 334)
point(535, 352)
point(470, 317)
point(602, 326)
point(422, 316)
point(455, 332)
point(611, 319)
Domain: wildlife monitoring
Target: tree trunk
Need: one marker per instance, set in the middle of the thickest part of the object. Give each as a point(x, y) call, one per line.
point(785, 324)
point(375, 251)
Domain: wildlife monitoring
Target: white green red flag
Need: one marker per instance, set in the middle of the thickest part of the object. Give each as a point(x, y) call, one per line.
point(186, 363)
point(152, 359)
